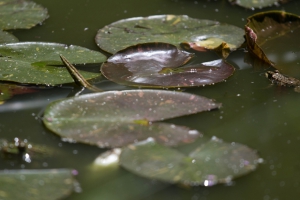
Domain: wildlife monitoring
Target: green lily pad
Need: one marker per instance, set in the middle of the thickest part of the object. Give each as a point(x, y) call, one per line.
point(173, 29)
point(257, 4)
point(162, 65)
point(49, 184)
point(267, 35)
point(39, 62)
point(118, 118)
point(211, 163)
point(17, 14)
point(6, 37)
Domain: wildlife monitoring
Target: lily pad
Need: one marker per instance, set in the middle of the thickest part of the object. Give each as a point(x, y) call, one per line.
point(49, 184)
point(213, 162)
point(6, 37)
point(118, 118)
point(39, 62)
point(256, 4)
point(16, 14)
point(268, 34)
point(162, 65)
point(173, 29)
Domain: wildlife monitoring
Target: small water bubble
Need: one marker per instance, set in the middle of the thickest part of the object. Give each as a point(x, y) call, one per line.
point(193, 132)
point(27, 158)
point(210, 180)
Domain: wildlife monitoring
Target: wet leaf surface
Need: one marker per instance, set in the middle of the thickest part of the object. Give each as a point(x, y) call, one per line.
point(6, 37)
point(162, 65)
point(256, 4)
point(39, 63)
point(118, 118)
point(173, 29)
point(48, 184)
point(16, 14)
point(273, 37)
point(213, 162)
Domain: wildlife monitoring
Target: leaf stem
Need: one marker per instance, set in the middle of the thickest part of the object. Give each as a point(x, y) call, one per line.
point(77, 77)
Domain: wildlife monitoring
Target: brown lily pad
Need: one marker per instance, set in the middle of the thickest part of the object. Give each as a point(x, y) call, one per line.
point(162, 65)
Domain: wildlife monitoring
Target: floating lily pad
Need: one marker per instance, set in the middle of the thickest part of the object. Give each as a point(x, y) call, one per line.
point(211, 163)
point(162, 65)
point(17, 14)
point(6, 37)
point(118, 118)
point(173, 29)
point(256, 4)
point(50, 184)
point(39, 62)
point(268, 34)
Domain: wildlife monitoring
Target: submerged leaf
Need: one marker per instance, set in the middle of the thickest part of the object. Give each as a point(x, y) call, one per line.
point(273, 37)
point(17, 14)
point(162, 65)
point(173, 29)
point(118, 118)
point(211, 163)
point(39, 62)
point(7, 91)
point(47, 184)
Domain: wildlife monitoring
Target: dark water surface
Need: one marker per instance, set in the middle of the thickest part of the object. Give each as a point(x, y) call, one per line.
point(254, 113)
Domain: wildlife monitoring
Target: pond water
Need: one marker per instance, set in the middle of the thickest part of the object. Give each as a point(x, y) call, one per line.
point(254, 113)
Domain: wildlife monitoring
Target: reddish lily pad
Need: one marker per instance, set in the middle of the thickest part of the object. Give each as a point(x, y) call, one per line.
point(118, 118)
point(213, 162)
point(7, 91)
point(162, 65)
point(173, 29)
point(47, 184)
point(267, 35)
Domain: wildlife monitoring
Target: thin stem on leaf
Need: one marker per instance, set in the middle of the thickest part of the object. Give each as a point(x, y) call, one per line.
point(77, 77)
